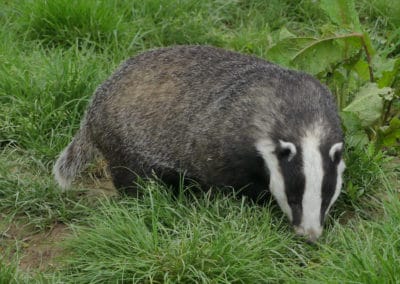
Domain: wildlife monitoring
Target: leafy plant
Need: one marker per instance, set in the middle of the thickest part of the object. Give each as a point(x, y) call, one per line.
point(365, 84)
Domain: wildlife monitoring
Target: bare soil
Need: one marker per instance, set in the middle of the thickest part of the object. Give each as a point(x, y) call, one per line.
point(33, 250)
point(43, 249)
point(38, 250)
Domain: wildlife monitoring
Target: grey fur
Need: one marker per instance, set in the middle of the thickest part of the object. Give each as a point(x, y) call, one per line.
point(74, 158)
point(200, 110)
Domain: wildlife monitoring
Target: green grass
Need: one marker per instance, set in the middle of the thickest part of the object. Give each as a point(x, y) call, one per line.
point(42, 103)
point(53, 54)
point(159, 240)
point(162, 240)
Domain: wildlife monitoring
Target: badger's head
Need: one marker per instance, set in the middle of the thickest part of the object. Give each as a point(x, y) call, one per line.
point(305, 178)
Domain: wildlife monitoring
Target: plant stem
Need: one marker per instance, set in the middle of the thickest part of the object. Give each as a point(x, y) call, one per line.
point(371, 73)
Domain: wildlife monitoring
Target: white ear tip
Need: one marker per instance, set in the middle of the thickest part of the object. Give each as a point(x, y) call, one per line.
point(290, 146)
point(334, 149)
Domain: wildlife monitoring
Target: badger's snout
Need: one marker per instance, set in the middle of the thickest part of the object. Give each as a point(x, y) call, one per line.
point(311, 234)
point(305, 179)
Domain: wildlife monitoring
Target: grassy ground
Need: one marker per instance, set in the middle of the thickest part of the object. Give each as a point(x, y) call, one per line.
point(53, 54)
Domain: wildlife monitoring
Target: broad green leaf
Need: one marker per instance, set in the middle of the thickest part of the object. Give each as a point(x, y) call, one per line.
point(279, 35)
point(342, 12)
point(351, 122)
point(358, 139)
point(353, 129)
point(362, 69)
point(350, 43)
point(284, 33)
point(284, 50)
point(314, 55)
point(368, 103)
point(391, 134)
point(318, 56)
point(386, 70)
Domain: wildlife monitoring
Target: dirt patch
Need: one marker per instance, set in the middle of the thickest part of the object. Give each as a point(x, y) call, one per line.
point(37, 250)
point(34, 250)
point(43, 249)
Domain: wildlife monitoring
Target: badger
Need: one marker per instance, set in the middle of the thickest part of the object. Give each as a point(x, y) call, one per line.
point(223, 119)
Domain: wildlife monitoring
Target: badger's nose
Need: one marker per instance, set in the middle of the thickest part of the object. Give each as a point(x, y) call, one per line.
point(312, 234)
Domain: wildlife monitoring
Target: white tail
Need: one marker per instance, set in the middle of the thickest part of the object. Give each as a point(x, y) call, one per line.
point(73, 159)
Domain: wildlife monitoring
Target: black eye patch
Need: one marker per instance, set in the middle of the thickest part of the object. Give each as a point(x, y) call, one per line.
point(337, 157)
point(283, 153)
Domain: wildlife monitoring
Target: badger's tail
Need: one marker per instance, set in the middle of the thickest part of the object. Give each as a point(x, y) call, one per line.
point(74, 158)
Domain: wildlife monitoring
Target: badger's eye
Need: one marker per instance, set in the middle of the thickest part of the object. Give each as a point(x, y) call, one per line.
point(337, 157)
point(286, 151)
point(284, 154)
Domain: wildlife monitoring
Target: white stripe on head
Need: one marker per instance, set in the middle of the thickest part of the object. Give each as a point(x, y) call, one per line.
point(312, 199)
point(276, 183)
point(339, 181)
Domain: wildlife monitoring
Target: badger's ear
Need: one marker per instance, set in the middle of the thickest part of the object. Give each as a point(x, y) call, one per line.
point(286, 150)
point(335, 151)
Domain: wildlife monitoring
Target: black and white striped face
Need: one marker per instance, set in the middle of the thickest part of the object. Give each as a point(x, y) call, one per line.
point(305, 179)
